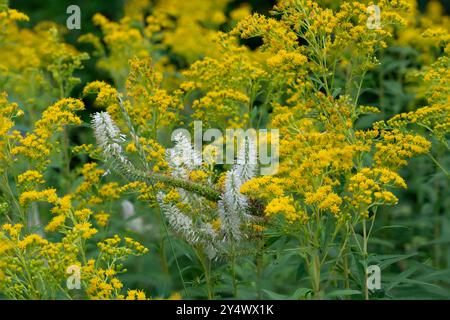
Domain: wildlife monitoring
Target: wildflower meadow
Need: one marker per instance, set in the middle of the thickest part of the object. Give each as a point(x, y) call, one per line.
point(222, 149)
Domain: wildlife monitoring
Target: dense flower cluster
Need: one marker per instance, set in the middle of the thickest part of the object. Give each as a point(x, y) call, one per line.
point(73, 201)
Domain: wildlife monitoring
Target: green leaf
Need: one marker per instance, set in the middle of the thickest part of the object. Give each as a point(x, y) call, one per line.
point(300, 293)
point(386, 260)
point(343, 293)
point(275, 296)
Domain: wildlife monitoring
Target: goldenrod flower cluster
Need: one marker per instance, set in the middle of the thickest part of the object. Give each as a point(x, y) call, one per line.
point(68, 204)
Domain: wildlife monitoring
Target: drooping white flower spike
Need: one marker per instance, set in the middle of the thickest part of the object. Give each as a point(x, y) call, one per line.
point(233, 207)
point(183, 158)
point(109, 138)
point(107, 134)
point(247, 159)
point(192, 232)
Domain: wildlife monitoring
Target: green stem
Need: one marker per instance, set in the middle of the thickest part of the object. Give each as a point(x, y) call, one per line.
point(206, 265)
point(346, 272)
point(173, 252)
point(162, 253)
point(258, 276)
point(206, 191)
point(233, 270)
point(365, 240)
point(438, 164)
point(66, 160)
point(316, 276)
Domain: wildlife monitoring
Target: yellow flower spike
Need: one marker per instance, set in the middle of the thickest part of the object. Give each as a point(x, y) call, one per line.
point(30, 176)
point(36, 145)
point(284, 206)
point(55, 223)
point(102, 218)
point(48, 195)
point(30, 240)
point(13, 230)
